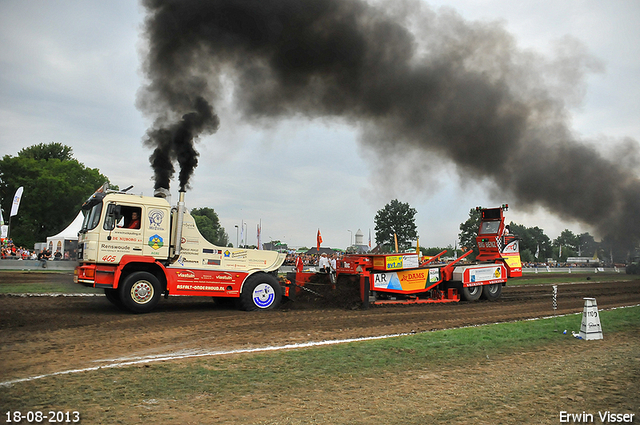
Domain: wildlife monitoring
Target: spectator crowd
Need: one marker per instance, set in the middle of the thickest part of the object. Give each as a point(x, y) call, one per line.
point(310, 260)
point(10, 251)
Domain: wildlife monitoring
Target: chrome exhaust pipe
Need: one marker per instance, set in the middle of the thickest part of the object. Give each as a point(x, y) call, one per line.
point(181, 210)
point(162, 192)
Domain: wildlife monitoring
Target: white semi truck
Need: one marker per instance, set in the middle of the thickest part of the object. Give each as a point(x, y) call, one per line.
point(138, 248)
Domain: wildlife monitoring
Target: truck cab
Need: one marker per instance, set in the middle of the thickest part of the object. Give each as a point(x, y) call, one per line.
point(109, 231)
point(138, 247)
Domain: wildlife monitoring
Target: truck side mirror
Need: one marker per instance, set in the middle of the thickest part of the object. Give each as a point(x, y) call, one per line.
point(113, 215)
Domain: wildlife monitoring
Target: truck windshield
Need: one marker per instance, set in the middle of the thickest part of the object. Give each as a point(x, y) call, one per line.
point(489, 227)
point(92, 218)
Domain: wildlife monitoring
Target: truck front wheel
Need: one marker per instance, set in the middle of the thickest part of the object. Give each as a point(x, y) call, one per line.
point(261, 292)
point(471, 293)
point(492, 292)
point(140, 292)
point(114, 297)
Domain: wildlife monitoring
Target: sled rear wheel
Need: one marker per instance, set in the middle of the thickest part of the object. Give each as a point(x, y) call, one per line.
point(471, 293)
point(492, 292)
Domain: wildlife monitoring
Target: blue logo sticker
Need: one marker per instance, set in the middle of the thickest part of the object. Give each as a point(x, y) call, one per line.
point(156, 242)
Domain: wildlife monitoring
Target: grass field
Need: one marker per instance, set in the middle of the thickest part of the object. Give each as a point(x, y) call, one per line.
point(41, 282)
point(522, 372)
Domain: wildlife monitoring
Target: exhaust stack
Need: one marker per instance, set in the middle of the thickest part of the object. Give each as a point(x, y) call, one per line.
point(163, 193)
point(181, 210)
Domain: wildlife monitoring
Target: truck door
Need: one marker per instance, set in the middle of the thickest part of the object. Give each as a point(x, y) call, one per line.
point(122, 233)
point(155, 227)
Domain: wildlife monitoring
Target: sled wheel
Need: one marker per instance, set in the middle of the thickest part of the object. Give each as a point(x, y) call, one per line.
point(471, 293)
point(114, 297)
point(140, 292)
point(492, 292)
point(261, 292)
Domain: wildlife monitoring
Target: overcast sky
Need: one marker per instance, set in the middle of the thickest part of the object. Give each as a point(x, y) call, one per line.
point(70, 71)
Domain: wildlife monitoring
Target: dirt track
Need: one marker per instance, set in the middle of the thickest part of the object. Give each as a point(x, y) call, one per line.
point(49, 334)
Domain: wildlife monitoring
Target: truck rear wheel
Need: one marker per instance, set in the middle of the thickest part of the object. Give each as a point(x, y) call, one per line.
point(140, 292)
point(492, 292)
point(261, 292)
point(471, 293)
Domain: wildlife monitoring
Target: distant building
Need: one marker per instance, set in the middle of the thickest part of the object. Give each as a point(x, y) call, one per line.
point(275, 246)
point(359, 247)
point(359, 236)
point(583, 260)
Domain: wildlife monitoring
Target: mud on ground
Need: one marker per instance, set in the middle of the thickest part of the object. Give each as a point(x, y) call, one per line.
point(48, 334)
point(43, 335)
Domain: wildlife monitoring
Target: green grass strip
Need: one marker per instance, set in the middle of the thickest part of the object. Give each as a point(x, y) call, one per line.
point(42, 282)
point(233, 376)
point(553, 278)
point(47, 288)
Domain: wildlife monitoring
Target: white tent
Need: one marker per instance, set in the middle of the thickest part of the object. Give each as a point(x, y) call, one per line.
point(66, 241)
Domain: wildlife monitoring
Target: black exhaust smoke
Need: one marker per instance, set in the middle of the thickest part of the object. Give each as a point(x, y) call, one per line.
point(175, 142)
point(412, 79)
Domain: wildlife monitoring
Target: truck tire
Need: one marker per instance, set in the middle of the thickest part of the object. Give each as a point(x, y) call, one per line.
point(114, 297)
point(261, 292)
point(471, 293)
point(492, 292)
point(225, 302)
point(140, 292)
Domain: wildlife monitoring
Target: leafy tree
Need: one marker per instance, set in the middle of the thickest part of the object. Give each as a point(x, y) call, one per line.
point(532, 239)
point(567, 239)
point(209, 225)
point(613, 251)
point(569, 243)
point(47, 151)
point(587, 246)
point(431, 251)
point(469, 231)
point(434, 250)
point(527, 256)
point(399, 218)
point(55, 186)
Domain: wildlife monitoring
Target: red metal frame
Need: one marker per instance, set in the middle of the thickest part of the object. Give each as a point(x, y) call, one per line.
point(368, 267)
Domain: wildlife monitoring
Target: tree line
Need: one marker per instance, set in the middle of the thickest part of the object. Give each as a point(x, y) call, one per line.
point(396, 220)
point(536, 246)
point(55, 186)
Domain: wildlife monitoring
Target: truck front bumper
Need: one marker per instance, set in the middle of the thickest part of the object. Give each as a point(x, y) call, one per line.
point(96, 276)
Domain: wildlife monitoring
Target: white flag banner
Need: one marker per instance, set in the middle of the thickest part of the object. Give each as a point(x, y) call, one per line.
point(4, 230)
point(16, 202)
